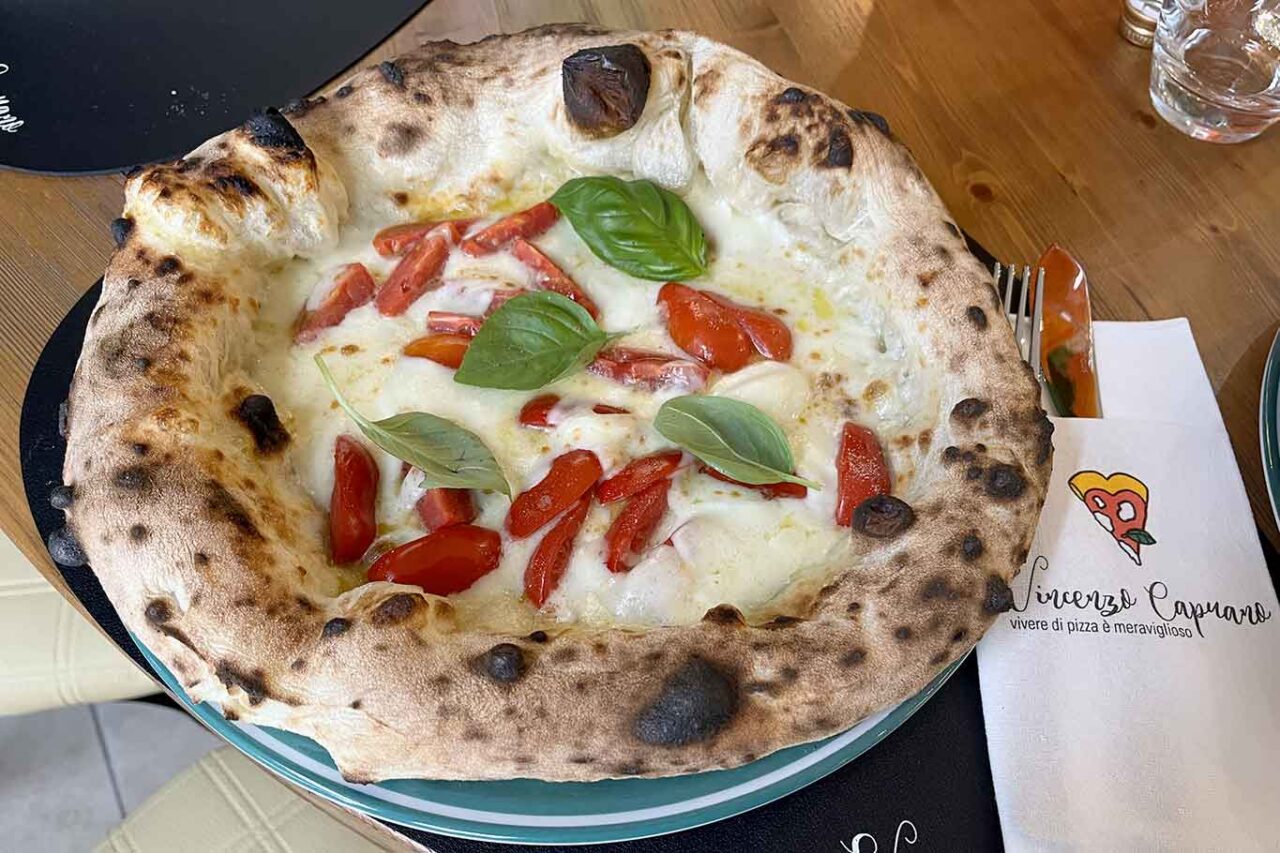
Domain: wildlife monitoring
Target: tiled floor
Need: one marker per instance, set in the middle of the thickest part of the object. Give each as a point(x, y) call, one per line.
point(67, 776)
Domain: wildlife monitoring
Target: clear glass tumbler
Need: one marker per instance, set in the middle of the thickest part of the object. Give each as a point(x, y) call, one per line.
point(1215, 71)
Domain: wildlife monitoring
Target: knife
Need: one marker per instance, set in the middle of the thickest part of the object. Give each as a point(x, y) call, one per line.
point(1066, 337)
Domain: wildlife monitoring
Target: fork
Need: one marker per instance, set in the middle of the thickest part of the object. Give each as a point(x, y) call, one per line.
point(1026, 323)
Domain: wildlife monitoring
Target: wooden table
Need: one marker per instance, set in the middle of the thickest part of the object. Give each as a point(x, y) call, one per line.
point(1031, 118)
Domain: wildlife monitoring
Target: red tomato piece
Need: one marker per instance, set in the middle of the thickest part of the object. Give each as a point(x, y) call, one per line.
point(548, 276)
point(450, 323)
point(442, 349)
point(501, 297)
point(417, 272)
point(651, 370)
point(769, 490)
point(769, 335)
point(526, 223)
point(551, 557)
point(537, 412)
point(705, 329)
point(861, 472)
point(351, 288)
point(638, 475)
point(629, 535)
point(606, 409)
point(571, 476)
point(444, 562)
point(353, 522)
point(398, 239)
point(440, 508)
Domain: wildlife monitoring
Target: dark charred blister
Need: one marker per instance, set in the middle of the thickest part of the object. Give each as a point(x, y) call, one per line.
point(258, 414)
point(605, 88)
point(883, 517)
point(697, 701)
point(270, 129)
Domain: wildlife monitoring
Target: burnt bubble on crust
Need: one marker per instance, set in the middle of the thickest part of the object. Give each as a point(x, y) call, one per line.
point(65, 549)
point(883, 517)
point(999, 597)
point(874, 119)
point(697, 701)
point(392, 73)
point(504, 663)
point(976, 316)
point(1004, 482)
point(120, 230)
point(605, 88)
point(336, 627)
point(970, 409)
point(62, 497)
point(971, 547)
point(252, 683)
point(258, 414)
point(270, 129)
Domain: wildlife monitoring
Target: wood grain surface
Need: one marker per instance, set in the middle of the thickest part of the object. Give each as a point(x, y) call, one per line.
point(1031, 118)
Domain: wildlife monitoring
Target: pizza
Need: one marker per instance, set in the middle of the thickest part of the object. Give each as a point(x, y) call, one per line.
point(1119, 505)
point(572, 404)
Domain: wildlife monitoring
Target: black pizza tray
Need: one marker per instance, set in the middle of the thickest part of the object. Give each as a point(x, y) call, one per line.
point(933, 771)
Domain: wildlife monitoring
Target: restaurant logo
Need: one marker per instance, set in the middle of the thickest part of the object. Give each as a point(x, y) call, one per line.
point(9, 122)
point(1119, 504)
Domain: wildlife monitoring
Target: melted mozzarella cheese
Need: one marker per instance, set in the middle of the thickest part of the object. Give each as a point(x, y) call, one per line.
point(727, 544)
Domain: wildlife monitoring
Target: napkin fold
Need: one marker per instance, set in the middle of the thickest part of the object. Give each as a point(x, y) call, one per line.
point(1132, 696)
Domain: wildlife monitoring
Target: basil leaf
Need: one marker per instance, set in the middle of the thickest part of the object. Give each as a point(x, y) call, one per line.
point(635, 226)
point(1140, 536)
point(531, 341)
point(733, 437)
point(447, 454)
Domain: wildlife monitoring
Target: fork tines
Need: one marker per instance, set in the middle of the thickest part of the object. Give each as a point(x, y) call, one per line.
point(1026, 324)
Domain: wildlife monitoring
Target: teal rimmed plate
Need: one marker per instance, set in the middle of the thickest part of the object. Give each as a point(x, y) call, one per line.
point(527, 811)
point(1269, 425)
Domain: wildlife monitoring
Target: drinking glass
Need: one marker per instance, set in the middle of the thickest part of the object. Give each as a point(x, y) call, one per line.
point(1215, 72)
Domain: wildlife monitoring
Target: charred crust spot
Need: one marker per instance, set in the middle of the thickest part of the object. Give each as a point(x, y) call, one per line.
point(1044, 437)
point(788, 144)
point(121, 228)
point(853, 608)
point(201, 558)
point(938, 658)
point(298, 665)
point(395, 609)
point(139, 533)
point(224, 505)
point(140, 448)
point(270, 129)
point(229, 715)
point(1004, 482)
point(538, 637)
point(235, 184)
point(302, 106)
point(441, 682)
point(791, 95)
point(902, 632)
point(788, 674)
point(605, 88)
point(400, 199)
point(697, 701)
point(959, 635)
point(391, 72)
point(882, 517)
point(999, 597)
point(258, 414)
point(344, 91)
point(936, 588)
point(421, 98)
point(336, 626)
point(865, 117)
point(581, 759)
point(976, 316)
point(970, 409)
point(971, 548)
point(973, 472)
point(631, 768)
point(399, 139)
point(133, 478)
point(168, 265)
point(304, 604)
point(839, 150)
point(142, 363)
point(158, 611)
point(782, 622)
point(253, 682)
point(62, 497)
point(724, 614)
point(504, 663)
point(852, 658)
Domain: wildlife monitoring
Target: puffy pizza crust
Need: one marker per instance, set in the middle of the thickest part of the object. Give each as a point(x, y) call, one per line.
point(213, 554)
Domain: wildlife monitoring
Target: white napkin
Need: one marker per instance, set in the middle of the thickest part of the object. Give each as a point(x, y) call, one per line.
point(1126, 723)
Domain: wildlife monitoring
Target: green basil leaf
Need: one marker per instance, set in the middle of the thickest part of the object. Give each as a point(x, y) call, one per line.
point(447, 454)
point(635, 226)
point(1140, 536)
point(531, 341)
point(733, 437)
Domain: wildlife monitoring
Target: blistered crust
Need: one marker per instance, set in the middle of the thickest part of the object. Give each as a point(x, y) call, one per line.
point(180, 487)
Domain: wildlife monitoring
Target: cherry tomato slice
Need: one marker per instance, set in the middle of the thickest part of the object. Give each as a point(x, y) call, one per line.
point(440, 508)
point(571, 476)
point(442, 349)
point(398, 239)
point(606, 409)
point(548, 276)
point(551, 557)
point(417, 272)
point(526, 223)
point(705, 329)
point(628, 537)
point(351, 288)
point(353, 522)
point(444, 562)
point(651, 370)
point(447, 322)
point(860, 471)
point(638, 475)
point(768, 490)
point(769, 335)
point(537, 412)
point(502, 297)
